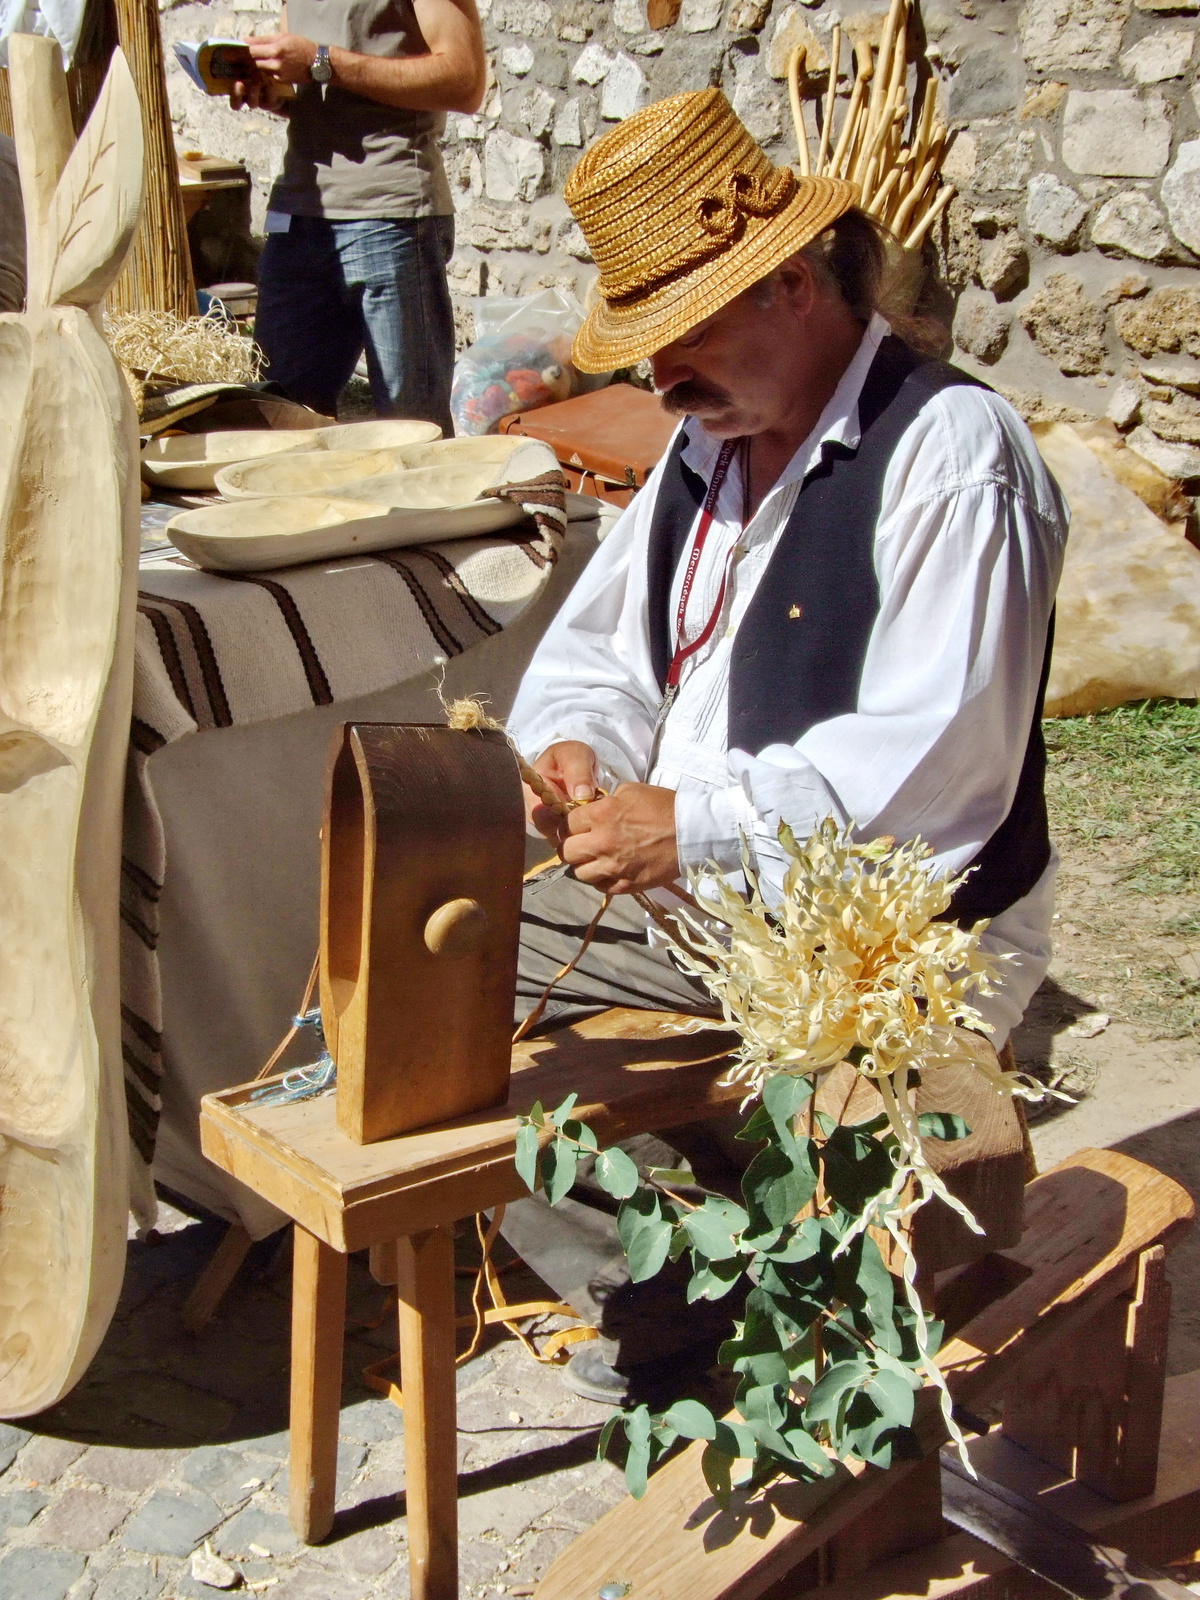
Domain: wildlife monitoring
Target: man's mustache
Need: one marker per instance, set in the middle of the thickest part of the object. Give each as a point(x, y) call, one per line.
point(694, 395)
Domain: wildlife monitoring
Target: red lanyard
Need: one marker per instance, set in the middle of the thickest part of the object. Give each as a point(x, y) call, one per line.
point(683, 651)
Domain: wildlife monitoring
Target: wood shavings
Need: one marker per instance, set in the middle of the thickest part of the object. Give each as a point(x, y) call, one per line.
point(161, 347)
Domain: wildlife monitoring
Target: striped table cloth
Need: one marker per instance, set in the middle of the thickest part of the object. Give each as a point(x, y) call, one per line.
point(222, 650)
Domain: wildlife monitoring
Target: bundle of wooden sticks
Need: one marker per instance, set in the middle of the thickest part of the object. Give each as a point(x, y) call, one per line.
point(898, 179)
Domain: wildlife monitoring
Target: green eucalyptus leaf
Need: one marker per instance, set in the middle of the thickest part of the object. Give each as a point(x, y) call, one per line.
point(562, 1112)
point(559, 1162)
point(527, 1154)
point(782, 1097)
point(827, 1394)
point(615, 1421)
point(711, 1228)
point(616, 1174)
point(673, 1177)
point(536, 1115)
point(775, 1188)
point(637, 1466)
point(942, 1125)
point(735, 1440)
point(715, 1465)
point(893, 1395)
point(645, 1232)
point(758, 1128)
point(691, 1419)
point(710, 1280)
point(856, 1168)
point(762, 1405)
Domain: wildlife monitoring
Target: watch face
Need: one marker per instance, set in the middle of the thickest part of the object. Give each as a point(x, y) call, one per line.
point(321, 70)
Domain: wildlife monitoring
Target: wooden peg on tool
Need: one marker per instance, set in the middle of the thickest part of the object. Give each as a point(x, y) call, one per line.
point(422, 854)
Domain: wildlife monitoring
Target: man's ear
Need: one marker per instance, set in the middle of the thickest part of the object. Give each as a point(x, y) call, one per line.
point(799, 286)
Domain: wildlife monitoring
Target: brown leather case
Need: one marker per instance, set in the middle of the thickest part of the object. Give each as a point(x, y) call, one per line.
point(607, 442)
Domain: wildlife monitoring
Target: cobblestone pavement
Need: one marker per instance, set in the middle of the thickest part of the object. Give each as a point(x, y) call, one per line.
point(171, 1441)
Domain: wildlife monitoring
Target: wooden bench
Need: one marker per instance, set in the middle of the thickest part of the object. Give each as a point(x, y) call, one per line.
point(634, 1071)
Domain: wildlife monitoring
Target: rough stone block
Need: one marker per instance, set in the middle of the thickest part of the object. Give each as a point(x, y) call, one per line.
point(987, 84)
point(686, 64)
point(1084, 35)
point(1160, 56)
point(512, 167)
point(1176, 460)
point(221, 1473)
point(1053, 210)
point(115, 1468)
point(81, 1519)
point(171, 1523)
point(11, 1440)
point(1042, 100)
point(1166, 320)
point(1176, 420)
point(180, 1408)
point(624, 90)
point(1181, 195)
point(268, 1530)
point(1133, 223)
point(960, 160)
point(537, 110)
point(487, 228)
point(18, 1509)
point(32, 1574)
point(368, 1554)
point(1004, 263)
point(1066, 326)
point(508, 1511)
point(350, 1458)
point(44, 1460)
point(791, 30)
point(1005, 162)
point(1115, 134)
point(129, 1583)
point(981, 326)
point(371, 1422)
point(630, 16)
point(698, 16)
point(567, 129)
point(591, 64)
point(517, 59)
point(315, 1583)
point(757, 104)
point(530, 17)
point(1124, 404)
point(571, 240)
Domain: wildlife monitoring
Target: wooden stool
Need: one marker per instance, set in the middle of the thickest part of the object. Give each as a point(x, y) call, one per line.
point(634, 1072)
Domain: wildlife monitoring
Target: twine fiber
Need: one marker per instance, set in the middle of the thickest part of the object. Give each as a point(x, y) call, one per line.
point(682, 211)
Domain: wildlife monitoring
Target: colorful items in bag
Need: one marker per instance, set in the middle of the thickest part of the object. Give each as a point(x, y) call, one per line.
point(508, 374)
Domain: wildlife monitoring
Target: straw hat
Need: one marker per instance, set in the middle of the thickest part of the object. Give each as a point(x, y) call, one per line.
point(682, 211)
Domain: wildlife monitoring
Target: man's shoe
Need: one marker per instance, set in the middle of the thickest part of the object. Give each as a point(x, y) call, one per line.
point(588, 1375)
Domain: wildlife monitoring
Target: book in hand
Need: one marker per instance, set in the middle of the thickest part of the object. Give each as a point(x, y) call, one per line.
point(215, 65)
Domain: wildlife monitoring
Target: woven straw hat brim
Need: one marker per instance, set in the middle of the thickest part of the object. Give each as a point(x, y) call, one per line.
point(617, 336)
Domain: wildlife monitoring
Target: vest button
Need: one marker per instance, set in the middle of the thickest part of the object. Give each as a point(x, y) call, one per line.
point(794, 613)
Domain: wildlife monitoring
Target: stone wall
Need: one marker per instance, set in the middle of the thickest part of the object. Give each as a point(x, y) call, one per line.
point(1068, 252)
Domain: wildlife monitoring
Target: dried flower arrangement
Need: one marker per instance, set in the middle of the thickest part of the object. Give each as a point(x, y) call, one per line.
point(851, 966)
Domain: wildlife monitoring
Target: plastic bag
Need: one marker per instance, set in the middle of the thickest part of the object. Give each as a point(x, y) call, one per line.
point(521, 358)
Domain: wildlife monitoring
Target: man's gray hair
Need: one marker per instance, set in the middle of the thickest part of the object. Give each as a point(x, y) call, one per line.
point(848, 260)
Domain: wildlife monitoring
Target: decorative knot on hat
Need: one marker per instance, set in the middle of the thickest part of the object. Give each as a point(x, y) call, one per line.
point(682, 210)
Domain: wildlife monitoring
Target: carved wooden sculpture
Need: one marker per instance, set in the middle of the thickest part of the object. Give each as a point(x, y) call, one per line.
point(422, 852)
point(68, 568)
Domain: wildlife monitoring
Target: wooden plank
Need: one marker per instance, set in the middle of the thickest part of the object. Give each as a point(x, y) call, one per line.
point(674, 1542)
point(426, 1291)
point(633, 1070)
point(318, 1320)
point(1093, 1404)
point(209, 1289)
point(1087, 1222)
point(420, 823)
point(906, 1519)
point(1161, 1528)
point(1046, 1545)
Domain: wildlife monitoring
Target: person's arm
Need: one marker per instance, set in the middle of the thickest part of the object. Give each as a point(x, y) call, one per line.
point(450, 76)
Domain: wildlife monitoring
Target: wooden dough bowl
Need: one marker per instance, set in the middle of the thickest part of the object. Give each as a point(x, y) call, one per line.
point(191, 461)
point(332, 471)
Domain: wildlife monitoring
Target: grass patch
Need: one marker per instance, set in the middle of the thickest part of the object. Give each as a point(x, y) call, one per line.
point(1128, 781)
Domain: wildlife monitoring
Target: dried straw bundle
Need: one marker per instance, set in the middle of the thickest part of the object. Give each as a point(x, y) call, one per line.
point(161, 347)
point(897, 177)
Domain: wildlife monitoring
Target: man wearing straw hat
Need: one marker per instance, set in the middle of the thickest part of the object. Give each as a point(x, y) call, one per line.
point(832, 598)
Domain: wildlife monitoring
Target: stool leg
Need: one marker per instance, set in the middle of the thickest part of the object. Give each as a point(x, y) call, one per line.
point(426, 1289)
point(318, 1321)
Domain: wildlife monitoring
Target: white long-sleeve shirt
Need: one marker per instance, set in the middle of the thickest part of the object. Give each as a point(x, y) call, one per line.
point(968, 548)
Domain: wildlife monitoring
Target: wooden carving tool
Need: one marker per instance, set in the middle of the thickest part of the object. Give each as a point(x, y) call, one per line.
point(422, 853)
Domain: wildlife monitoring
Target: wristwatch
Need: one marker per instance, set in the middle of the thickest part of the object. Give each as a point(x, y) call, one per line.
point(321, 70)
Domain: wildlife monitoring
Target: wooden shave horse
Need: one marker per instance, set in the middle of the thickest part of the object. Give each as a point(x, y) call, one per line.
point(420, 821)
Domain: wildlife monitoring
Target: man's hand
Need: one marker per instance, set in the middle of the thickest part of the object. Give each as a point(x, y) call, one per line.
point(287, 57)
point(626, 841)
point(570, 766)
point(261, 94)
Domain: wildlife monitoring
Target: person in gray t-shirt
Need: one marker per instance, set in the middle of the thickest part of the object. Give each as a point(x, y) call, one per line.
point(360, 223)
point(12, 230)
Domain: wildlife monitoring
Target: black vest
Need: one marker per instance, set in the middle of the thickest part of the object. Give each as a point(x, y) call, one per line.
point(789, 673)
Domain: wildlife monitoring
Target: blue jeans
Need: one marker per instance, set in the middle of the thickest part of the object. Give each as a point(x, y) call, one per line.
point(327, 290)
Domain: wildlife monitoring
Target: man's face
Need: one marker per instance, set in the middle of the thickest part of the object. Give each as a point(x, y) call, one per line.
point(736, 370)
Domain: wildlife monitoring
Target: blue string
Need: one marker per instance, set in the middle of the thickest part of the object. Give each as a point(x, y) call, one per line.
point(301, 1083)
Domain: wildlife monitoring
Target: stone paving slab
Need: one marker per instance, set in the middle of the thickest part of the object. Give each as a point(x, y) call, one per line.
point(171, 1440)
